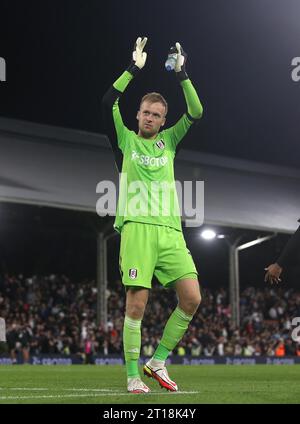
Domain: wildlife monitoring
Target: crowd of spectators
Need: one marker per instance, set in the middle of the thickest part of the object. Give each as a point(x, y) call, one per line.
point(52, 314)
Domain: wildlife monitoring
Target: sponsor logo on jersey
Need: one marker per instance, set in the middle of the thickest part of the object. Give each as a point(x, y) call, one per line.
point(160, 144)
point(133, 273)
point(149, 160)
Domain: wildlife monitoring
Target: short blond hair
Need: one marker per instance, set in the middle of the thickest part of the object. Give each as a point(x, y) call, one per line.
point(155, 98)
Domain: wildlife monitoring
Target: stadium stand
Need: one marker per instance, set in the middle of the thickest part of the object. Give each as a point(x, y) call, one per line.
point(53, 315)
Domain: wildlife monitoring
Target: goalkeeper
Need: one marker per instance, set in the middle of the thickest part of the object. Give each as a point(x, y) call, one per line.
point(152, 242)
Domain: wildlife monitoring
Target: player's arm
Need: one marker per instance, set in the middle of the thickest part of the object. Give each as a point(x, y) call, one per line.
point(290, 250)
point(112, 117)
point(194, 107)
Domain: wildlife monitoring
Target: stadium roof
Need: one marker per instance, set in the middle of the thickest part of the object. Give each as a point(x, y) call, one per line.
point(61, 167)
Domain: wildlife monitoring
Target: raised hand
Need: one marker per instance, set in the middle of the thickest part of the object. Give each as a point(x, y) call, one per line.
point(181, 58)
point(138, 55)
point(273, 273)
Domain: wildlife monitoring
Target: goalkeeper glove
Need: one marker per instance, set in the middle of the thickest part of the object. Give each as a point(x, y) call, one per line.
point(138, 56)
point(180, 63)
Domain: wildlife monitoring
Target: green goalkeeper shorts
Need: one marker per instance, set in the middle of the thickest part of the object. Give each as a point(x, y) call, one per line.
point(148, 250)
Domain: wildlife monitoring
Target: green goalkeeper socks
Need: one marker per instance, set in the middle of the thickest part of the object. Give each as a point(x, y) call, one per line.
point(173, 333)
point(132, 345)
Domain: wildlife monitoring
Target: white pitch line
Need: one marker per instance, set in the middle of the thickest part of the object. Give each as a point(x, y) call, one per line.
point(91, 395)
point(88, 390)
point(48, 389)
point(23, 388)
point(52, 396)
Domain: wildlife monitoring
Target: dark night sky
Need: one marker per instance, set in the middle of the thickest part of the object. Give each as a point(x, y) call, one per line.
point(62, 55)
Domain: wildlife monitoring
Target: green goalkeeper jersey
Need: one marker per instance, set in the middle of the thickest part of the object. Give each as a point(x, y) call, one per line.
point(147, 190)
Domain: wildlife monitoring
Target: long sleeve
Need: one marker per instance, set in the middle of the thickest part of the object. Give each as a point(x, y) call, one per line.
point(112, 118)
point(290, 250)
point(194, 112)
point(194, 106)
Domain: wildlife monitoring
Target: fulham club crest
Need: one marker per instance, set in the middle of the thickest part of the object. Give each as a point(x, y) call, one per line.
point(132, 273)
point(160, 144)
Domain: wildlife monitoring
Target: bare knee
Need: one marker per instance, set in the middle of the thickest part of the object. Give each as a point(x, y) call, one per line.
point(136, 301)
point(190, 304)
point(188, 292)
point(135, 310)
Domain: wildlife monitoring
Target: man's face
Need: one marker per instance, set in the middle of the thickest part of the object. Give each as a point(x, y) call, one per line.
point(151, 117)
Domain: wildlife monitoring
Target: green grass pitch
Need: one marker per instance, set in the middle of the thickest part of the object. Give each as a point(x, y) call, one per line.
point(91, 384)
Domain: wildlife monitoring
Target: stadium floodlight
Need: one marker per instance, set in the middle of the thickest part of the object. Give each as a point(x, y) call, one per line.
point(208, 234)
point(234, 283)
point(254, 242)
